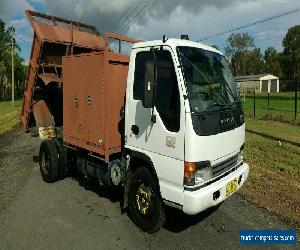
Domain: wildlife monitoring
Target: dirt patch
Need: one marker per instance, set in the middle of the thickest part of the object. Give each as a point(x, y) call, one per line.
point(16, 152)
point(275, 191)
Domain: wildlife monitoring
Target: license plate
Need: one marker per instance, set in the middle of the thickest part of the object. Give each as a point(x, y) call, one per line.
point(231, 187)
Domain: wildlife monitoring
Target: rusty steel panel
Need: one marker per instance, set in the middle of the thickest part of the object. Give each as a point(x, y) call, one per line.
point(101, 78)
point(49, 77)
point(83, 119)
point(52, 33)
point(53, 38)
point(83, 39)
point(62, 35)
point(60, 30)
point(94, 83)
point(74, 99)
point(116, 76)
point(109, 35)
point(29, 87)
point(42, 114)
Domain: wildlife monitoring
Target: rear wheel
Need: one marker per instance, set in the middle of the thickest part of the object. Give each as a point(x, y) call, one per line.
point(145, 202)
point(49, 161)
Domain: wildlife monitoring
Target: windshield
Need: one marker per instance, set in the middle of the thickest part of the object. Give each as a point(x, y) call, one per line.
point(209, 81)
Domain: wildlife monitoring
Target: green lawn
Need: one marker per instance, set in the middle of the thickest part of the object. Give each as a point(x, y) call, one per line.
point(9, 116)
point(274, 143)
point(281, 105)
point(270, 153)
point(276, 129)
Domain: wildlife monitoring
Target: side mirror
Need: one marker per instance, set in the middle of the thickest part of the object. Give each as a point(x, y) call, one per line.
point(149, 85)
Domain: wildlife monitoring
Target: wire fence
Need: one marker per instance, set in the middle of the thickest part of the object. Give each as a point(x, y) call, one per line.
point(267, 102)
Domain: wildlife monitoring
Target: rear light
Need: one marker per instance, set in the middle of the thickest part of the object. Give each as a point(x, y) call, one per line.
point(189, 173)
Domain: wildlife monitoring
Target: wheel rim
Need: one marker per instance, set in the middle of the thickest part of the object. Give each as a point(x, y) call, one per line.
point(45, 162)
point(144, 200)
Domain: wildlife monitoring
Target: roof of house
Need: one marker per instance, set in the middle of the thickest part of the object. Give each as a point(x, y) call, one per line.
point(265, 76)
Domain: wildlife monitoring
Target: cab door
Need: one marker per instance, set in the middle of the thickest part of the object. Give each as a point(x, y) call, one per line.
point(163, 140)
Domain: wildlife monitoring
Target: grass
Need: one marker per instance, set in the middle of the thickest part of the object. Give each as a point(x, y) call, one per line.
point(263, 147)
point(285, 131)
point(267, 153)
point(281, 106)
point(9, 116)
point(274, 177)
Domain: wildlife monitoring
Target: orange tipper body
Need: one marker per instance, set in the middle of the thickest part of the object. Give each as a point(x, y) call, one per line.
point(75, 82)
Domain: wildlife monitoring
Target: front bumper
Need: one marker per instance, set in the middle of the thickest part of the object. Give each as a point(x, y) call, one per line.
point(197, 201)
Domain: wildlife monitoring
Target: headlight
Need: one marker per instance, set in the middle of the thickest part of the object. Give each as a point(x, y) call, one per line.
point(197, 172)
point(203, 172)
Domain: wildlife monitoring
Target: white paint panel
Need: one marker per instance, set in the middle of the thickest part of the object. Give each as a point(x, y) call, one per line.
point(213, 147)
point(169, 172)
point(164, 148)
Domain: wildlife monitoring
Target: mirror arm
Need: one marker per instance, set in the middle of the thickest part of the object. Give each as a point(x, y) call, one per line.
point(153, 117)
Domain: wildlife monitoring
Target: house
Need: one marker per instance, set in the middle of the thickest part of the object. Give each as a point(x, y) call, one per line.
point(260, 83)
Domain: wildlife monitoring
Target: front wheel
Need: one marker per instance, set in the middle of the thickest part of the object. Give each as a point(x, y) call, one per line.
point(145, 202)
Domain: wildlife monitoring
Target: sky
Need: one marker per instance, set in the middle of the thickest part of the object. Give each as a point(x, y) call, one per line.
point(151, 19)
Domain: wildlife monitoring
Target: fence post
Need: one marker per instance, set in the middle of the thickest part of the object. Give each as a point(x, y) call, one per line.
point(254, 103)
point(296, 90)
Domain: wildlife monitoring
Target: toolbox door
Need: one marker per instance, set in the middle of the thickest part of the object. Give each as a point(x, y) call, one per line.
point(94, 87)
point(74, 98)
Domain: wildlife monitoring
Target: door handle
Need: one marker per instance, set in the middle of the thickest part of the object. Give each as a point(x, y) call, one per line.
point(89, 100)
point(75, 100)
point(135, 129)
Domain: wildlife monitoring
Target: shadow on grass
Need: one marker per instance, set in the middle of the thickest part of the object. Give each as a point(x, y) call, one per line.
point(273, 137)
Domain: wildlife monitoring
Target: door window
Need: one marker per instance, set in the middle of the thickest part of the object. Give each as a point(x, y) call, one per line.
point(167, 101)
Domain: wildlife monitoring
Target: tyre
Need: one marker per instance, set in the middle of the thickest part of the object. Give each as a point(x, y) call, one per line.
point(63, 165)
point(49, 161)
point(144, 201)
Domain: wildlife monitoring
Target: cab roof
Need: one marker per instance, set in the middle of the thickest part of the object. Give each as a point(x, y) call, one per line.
point(173, 43)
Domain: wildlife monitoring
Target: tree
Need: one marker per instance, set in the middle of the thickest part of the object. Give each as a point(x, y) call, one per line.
point(290, 58)
point(254, 63)
point(6, 36)
point(272, 63)
point(238, 46)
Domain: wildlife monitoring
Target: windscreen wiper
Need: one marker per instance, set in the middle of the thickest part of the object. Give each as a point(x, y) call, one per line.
point(235, 100)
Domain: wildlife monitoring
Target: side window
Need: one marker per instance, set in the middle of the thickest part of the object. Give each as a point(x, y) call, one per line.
point(139, 73)
point(167, 95)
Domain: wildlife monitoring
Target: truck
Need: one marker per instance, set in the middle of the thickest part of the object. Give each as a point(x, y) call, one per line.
point(161, 119)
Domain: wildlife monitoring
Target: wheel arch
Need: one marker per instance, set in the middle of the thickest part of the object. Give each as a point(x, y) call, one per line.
point(137, 158)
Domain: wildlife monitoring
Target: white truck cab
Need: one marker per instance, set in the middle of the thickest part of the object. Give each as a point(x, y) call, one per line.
point(183, 117)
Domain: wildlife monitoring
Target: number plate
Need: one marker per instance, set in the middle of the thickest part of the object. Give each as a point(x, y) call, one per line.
point(231, 187)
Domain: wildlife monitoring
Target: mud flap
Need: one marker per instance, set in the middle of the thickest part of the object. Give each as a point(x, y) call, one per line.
point(126, 189)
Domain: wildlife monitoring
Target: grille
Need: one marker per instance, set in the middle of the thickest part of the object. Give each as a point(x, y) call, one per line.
point(224, 166)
